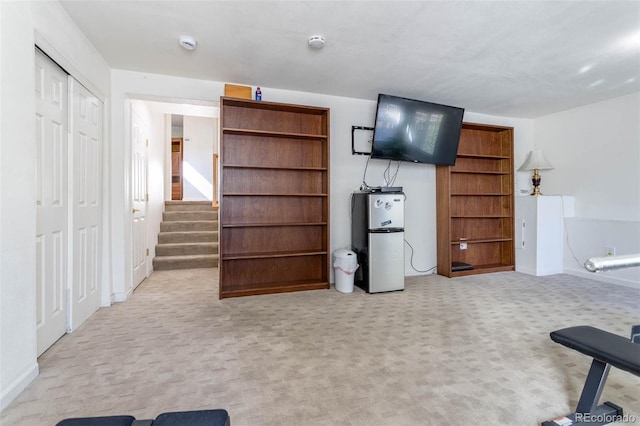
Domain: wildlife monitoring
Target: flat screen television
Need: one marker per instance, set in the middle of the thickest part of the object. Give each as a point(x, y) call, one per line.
point(416, 131)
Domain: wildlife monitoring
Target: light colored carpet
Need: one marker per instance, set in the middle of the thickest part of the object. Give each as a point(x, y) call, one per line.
point(471, 350)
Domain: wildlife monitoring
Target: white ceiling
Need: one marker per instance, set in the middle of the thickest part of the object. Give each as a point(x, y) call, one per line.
point(513, 58)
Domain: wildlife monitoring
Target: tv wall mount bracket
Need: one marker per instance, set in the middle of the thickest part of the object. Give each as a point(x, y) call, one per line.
point(367, 137)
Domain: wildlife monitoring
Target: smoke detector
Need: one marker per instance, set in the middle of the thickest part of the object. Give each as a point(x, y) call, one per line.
point(316, 41)
point(188, 42)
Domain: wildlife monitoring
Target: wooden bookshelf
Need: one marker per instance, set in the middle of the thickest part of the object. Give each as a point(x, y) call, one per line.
point(274, 202)
point(475, 203)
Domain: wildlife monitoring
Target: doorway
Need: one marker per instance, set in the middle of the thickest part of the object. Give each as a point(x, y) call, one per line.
point(176, 168)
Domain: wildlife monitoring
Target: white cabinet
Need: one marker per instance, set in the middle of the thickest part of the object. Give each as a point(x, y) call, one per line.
point(539, 235)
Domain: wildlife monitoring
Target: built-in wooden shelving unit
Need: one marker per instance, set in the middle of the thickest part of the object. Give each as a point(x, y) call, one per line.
point(475, 203)
point(274, 202)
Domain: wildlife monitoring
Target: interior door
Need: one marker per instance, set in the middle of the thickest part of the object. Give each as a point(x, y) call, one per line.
point(139, 194)
point(176, 168)
point(51, 89)
point(87, 200)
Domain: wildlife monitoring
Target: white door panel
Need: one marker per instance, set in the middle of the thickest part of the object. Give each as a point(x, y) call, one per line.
point(139, 195)
point(51, 201)
point(87, 196)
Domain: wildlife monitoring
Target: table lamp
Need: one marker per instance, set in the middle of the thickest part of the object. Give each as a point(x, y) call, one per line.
point(536, 162)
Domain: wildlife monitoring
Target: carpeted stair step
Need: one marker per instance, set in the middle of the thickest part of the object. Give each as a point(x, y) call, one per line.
point(185, 249)
point(187, 206)
point(190, 215)
point(185, 262)
point(186, 226)
point(187, 237)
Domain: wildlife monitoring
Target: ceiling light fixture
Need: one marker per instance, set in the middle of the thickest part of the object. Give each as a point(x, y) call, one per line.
point(316, 41)
point(188, 42)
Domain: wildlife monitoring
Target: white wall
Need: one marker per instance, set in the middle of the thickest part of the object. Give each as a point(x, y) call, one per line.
point(199, 142)
point(346, 169)
point(17, 202)
point(22, 24)
point(595, 152)
point(418, 180)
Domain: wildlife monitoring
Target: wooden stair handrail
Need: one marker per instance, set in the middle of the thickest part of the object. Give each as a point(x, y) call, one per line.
point(215, 181)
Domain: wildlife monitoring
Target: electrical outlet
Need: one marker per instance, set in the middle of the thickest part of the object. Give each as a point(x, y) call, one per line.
point(463, 246)
point(610, 251)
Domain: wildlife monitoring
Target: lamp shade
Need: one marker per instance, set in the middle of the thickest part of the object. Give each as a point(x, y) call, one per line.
point(536, 161)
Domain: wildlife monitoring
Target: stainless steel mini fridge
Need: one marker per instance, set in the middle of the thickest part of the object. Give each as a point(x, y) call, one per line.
point(377, 237)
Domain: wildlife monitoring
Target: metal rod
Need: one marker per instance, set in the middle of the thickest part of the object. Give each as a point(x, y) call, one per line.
point(609, 263)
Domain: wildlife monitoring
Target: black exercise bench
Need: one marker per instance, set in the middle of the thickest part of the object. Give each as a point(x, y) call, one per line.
point(607, 350)
point(180, 418)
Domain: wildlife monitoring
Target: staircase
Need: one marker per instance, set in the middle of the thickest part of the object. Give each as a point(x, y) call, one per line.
point(188, 236)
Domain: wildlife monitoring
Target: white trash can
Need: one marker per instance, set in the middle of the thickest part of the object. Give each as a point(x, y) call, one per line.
point(345, 264)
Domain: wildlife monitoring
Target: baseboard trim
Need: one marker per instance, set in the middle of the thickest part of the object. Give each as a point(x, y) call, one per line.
point(525, 270)
point(18, 385)
point(122, 297)
point(546, 272)
point(538, 272)
point(603, 278)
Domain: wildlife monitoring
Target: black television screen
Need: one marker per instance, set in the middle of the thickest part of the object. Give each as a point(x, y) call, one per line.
point(416, 131)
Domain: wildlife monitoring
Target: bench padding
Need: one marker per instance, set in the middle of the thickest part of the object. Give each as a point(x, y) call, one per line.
point(601, 345)
point(98, 421)
point(180, 418)
point(193, 418)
